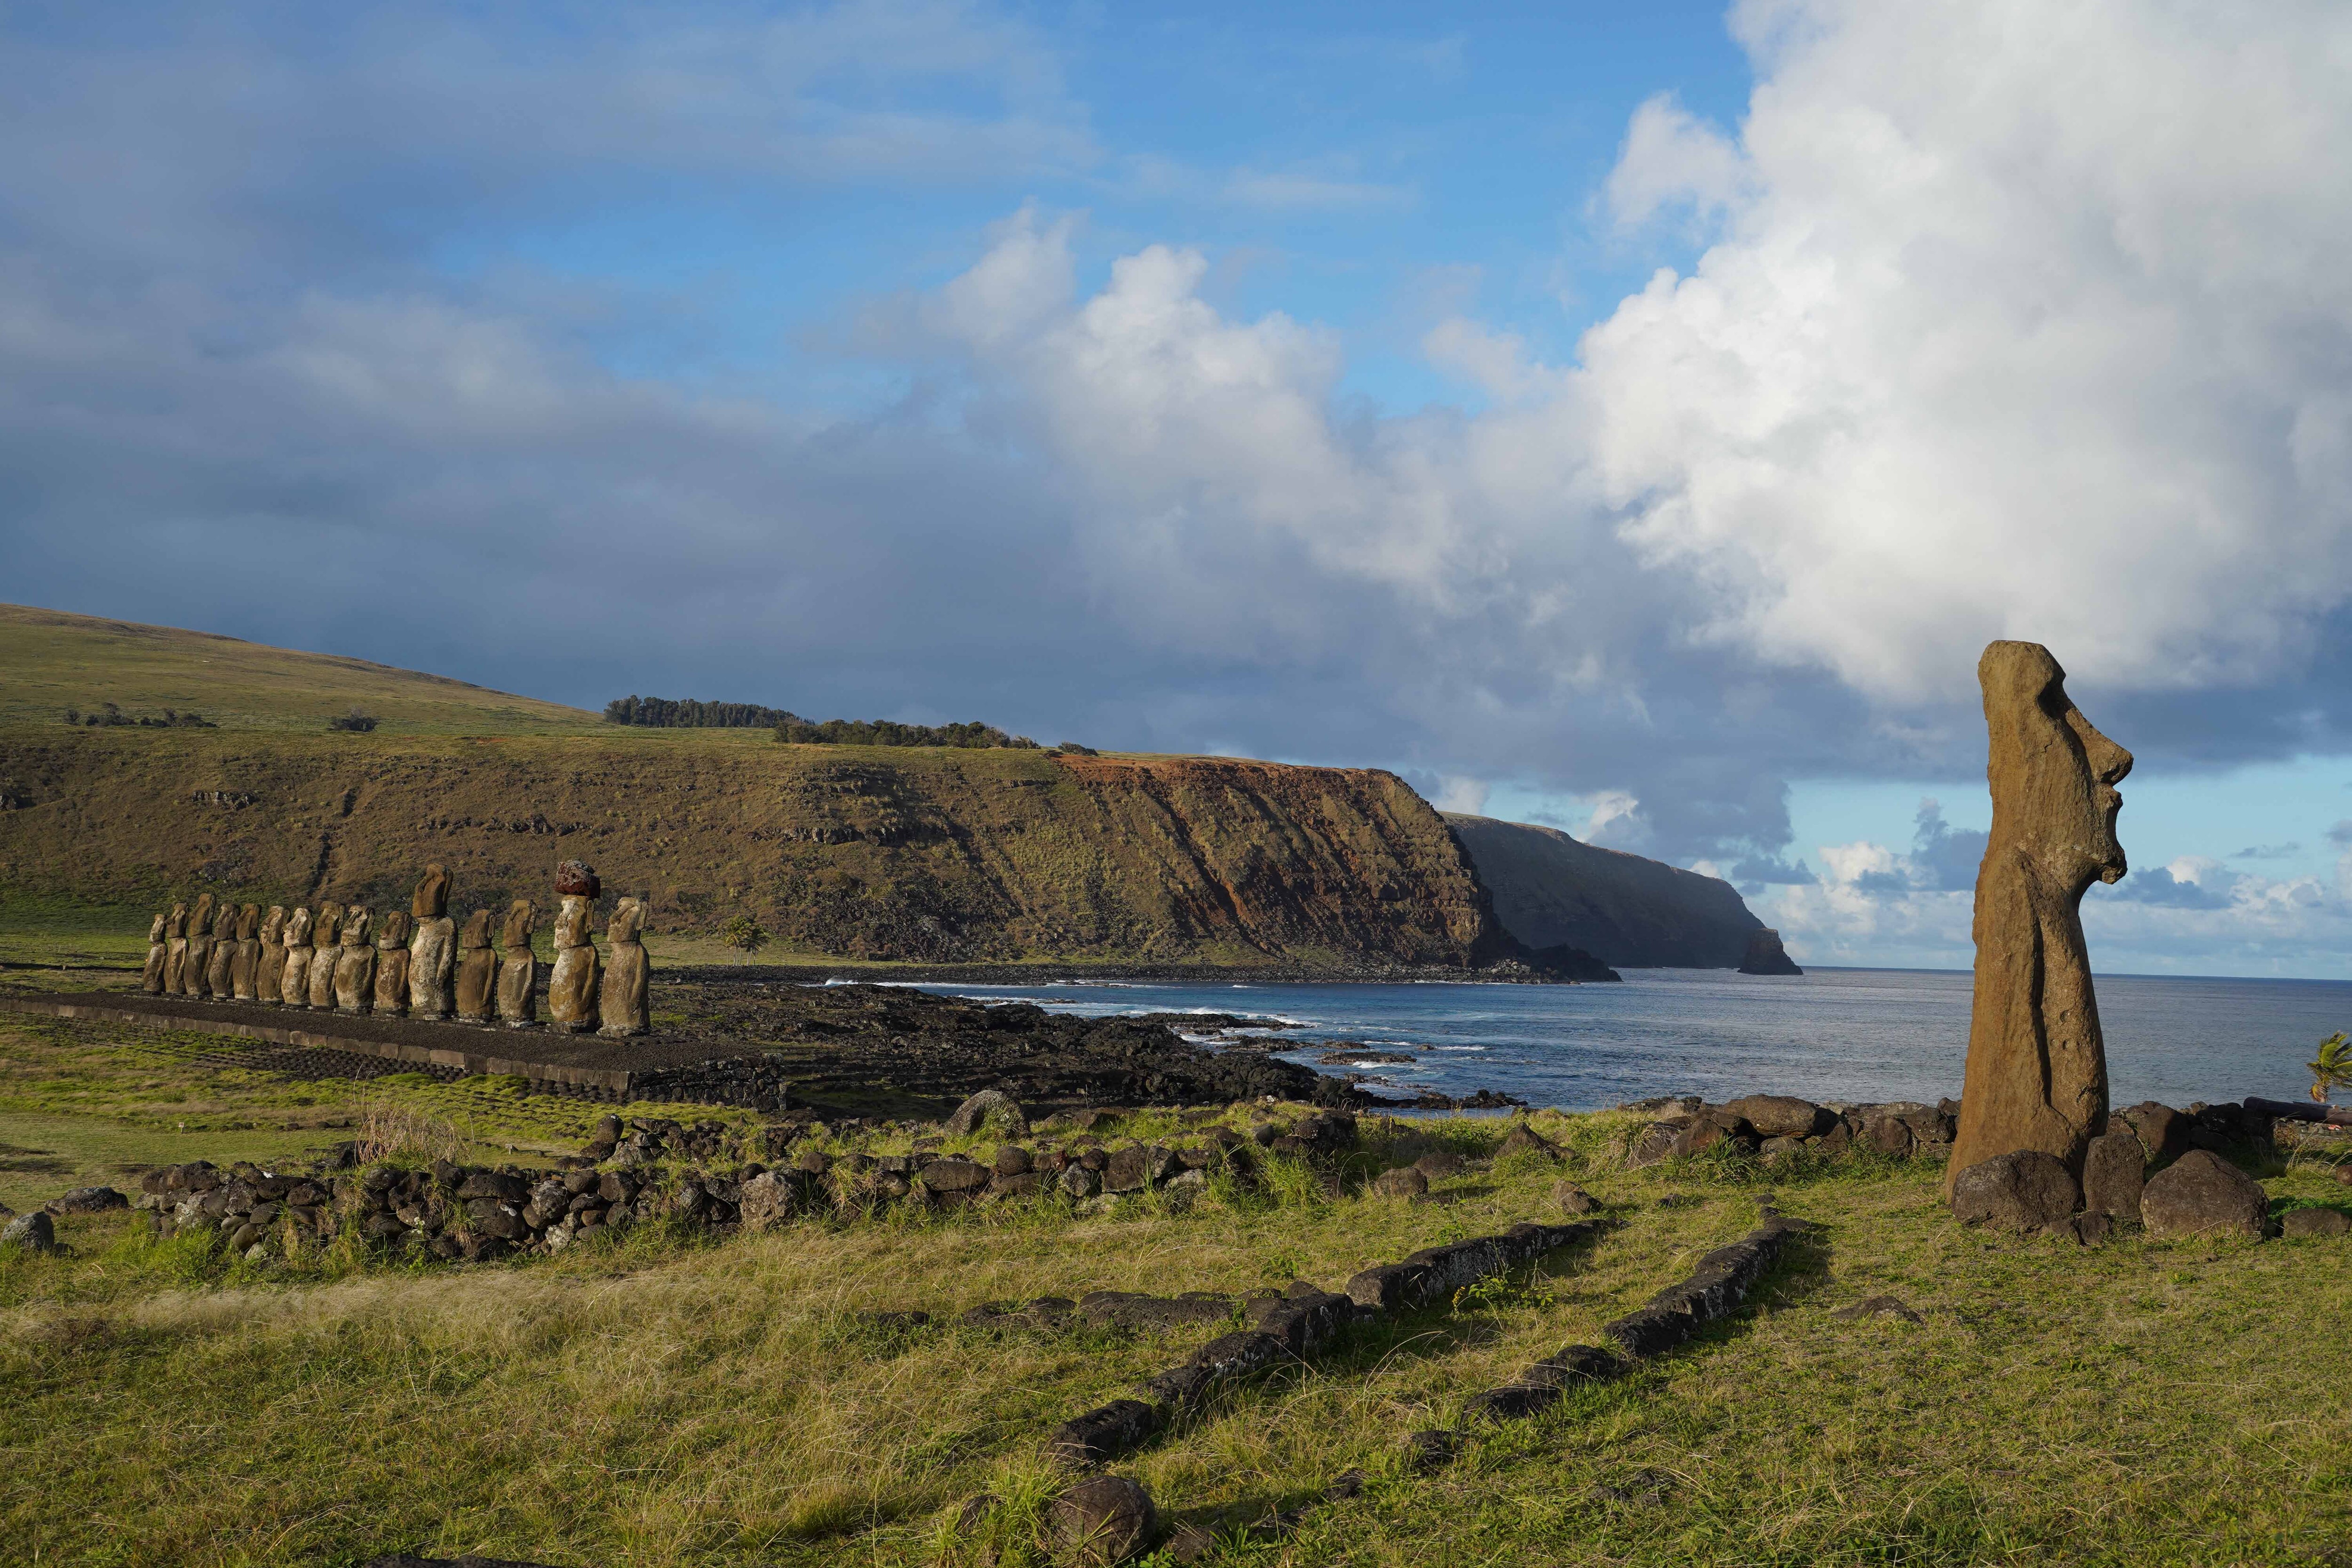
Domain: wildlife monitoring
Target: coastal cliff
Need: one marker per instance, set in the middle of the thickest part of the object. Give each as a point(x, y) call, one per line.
point(1624, 909)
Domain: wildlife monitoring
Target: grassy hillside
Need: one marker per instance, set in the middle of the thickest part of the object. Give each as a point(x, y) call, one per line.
point(1623, 909)
point(882, 854)
point(54, 661)
point(664, 1400)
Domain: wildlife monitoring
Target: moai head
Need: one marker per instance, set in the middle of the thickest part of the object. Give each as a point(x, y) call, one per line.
point(329, 920)
point(355, 926)
point(162, 925)
point(628, 920)
point(225, 923)
point(2052, 773)
point(248, 922)
point(432, 900)
point(273, 926)
point(392, 931)
point(577, 878)
point(200, 919)
point(297, 927)
point(522, 919)
point(477, 929)
point(177, 922)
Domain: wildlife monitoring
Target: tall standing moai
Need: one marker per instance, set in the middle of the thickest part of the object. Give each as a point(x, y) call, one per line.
point(175, 949)
point(326, 929)
point(294, 982)
point(392, 965)
point(2037, 1068)
point(245, 966)
point(355, 980)
point(159, 954)
point(218, 963)
point(518, 966)
point(200, 947)
point(269, 971)
point(476, 977)
point(433, 953)
point(572, 984)
point(623, 1001)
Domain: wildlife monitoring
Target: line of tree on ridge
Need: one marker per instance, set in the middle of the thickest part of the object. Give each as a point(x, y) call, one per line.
point(687, 713)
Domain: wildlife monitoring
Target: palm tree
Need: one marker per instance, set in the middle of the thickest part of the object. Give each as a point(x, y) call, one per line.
point(2332, 1067)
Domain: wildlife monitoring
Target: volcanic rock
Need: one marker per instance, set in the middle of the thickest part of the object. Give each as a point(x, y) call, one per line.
point(622, 1001)
point(2115, 1169)
point(2203, 1193)
point(2022, 1190)
point(1765, 955)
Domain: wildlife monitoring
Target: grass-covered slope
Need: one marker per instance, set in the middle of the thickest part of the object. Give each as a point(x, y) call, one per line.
point(669, 1400)
point(1623, 909)
point(51, 661)
point(899, 853)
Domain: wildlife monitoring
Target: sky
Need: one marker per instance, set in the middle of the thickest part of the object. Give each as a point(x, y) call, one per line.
point(1631, 418)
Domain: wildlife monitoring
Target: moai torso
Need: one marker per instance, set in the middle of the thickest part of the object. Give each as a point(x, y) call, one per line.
point(269, 968)
point(200, 947)
point(433, 953)
point(392, 965)
point(159, 953)
point(355, 980)
point(326, 929)
point(623, 1001)
point(294, 985)
point(571, 984)
point(219, 966)
point(244, 968)
point(175, 951)
point(518, 966)
point(475, 976)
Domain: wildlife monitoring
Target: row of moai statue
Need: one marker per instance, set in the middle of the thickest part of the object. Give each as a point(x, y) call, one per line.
point(341, 957)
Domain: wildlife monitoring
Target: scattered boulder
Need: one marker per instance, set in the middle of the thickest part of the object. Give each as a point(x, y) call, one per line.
point(990, 1105)
point(2115, 1169)
point(1440, 1163)
point(89, 1200)
point(1526, 1140)
point(1106, 1519)
point(955, 1179)
point(767, 1201)
point(33, 1232)
point(2163, 1131)
point(1780, 1115)
point(1404, 1182)
point(1573, 1199)
point(1711, 1127)
point(2202, 1194)
point(2314, 1223)
point(1773, 1149)
point(2082, 1229)
point(1653, 1142)
point(2022, 1190)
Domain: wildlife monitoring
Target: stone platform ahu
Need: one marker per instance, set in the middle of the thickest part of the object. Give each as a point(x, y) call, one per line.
point(2037, 1068)
point(418, 963)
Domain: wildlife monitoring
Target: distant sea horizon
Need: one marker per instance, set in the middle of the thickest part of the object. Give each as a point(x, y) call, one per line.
point(1835, 1033)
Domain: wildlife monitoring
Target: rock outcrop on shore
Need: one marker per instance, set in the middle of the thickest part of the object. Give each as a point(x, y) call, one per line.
point(1550, 888)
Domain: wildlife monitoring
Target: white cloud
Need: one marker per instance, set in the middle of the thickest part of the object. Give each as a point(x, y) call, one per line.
point(1672, 159)
point(1456, 793)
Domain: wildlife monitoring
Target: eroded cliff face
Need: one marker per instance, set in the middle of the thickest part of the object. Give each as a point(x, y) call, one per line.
point(867, 853)
point(1550, 888)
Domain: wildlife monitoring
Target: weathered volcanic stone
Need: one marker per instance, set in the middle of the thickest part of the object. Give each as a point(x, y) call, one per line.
point(768, 1201)
point(159, 953)
point(2202, 1194)
point(1779, 1116)
point(1573, 1199)
point(326, 930)
point(432, 950)
point(475, 980)
point(392, 963)
point(245, 964)
point(990, 1105)
point(2037, 1065)
point(218, 961)
point(2313, 1223)
point(175, 949)
point(34, 1232)
point(518, 966)
point(200, 947)
point(1106, 1519)
point(622, 1001)
point(1404, 1182)
point(2115, 1169)
point(2025, 1189)
point(294, 981)
point(577, 879)
point(354, 973)
point(269, 968)
point(2163, 1131)
point(571, 984)
point(431, 900)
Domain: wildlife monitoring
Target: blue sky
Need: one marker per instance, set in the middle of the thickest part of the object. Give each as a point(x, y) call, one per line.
point(1632, 418)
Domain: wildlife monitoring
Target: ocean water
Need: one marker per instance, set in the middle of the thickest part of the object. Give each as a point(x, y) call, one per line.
point(1830, 1034)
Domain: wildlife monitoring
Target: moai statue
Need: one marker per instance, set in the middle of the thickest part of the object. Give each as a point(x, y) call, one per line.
point(324, 930)
point(175, 949)
point(355, 980)
point(2037, 1065)
point(218, 964)
point(294, 984)
point(476, 974)
point(269, 971)
point(623, 1001)
point(159, 955)
point(244, 968)
point(518, 966)
point(392, 965)
point(572, 985)
point(433, 955)
point(200, 947)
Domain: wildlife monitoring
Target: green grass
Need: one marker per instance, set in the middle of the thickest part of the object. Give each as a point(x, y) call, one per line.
point(663, 1399)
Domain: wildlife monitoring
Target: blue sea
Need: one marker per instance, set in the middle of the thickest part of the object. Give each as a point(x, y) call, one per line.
point(1830, 1033)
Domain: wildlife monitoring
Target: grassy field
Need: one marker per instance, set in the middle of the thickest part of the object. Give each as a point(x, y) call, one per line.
point(666, 1399)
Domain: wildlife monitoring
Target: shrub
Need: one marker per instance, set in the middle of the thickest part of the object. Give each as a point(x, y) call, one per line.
point(743, 933)
point(354, 722)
